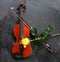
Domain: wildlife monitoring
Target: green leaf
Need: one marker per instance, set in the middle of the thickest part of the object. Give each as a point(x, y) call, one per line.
point(44, 34)
point(33, 31)
point(50, 28)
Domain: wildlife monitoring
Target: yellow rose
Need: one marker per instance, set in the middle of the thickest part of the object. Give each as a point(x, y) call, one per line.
point(25, 42)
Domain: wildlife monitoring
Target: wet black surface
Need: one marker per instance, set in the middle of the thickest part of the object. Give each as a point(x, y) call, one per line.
point(39, 13)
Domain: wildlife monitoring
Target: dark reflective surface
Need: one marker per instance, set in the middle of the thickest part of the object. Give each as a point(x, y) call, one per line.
point(39, 13)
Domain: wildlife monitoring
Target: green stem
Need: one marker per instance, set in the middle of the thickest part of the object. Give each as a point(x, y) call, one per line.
point(54, 35)
point(35, 39)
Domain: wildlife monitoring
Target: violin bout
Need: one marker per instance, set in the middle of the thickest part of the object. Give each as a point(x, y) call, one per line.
point(16, 48)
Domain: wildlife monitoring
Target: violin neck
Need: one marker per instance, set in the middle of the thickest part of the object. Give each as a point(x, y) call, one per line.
point(21, 18)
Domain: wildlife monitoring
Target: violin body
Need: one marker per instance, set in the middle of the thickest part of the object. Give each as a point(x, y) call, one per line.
point(16, 46)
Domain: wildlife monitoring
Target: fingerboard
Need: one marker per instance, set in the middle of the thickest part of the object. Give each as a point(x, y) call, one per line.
point(21, 28)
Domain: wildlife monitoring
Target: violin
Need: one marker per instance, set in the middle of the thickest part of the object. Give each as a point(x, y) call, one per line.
point(21, 30)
